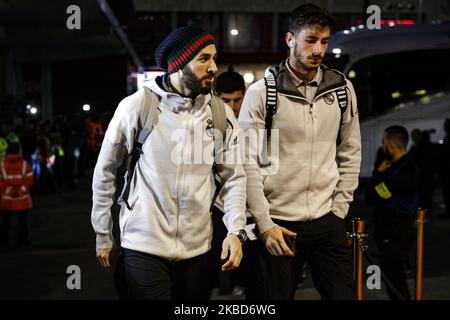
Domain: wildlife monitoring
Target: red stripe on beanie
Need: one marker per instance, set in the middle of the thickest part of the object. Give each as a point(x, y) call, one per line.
point(189, 51)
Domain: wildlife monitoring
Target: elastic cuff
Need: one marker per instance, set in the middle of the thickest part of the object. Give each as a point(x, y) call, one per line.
point(235, 224)
point(264, 223)
point(104, 241)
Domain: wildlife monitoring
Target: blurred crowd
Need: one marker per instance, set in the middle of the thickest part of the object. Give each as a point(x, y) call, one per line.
point(60, 151)
point(41, 158)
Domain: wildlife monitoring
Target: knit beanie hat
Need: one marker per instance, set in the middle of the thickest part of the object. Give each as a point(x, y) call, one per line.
point(180, 47)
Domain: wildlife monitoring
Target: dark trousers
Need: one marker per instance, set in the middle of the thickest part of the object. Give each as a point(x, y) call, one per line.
point(221, 279)
point(322, 243)
point(5, 224)
point(395, 238)
point(154, 278)
point(226, 280)
point(120, 279)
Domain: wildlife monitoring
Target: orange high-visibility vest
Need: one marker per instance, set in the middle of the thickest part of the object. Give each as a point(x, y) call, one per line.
point(16, 179)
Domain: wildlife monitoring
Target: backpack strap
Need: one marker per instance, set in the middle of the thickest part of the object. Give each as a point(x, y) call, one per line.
point(342, 97)
point(271, 98)
point(270, 78)
point(146, 123)
point(219, 118)
point(148, 112)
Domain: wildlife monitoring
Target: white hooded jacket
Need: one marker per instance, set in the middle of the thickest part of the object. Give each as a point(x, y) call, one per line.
point(172, 189)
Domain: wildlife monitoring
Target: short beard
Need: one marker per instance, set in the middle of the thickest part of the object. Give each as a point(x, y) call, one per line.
point(299, 64)
point(194, 84)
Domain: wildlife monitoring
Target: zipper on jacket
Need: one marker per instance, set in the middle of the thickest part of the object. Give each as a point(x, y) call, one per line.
point(181, 188)
point(185, 120)
point(311, 157)
point(126, 223)
point(136, 198)
point(176, 193)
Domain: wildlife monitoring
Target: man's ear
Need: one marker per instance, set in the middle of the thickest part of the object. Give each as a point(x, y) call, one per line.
point(290, 39)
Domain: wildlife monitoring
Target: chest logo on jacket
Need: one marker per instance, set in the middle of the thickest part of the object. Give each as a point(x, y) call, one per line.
point(329, 98)
point(210, 128)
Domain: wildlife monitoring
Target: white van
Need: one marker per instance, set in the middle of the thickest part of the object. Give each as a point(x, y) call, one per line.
point(427, 113)
point(401, 75)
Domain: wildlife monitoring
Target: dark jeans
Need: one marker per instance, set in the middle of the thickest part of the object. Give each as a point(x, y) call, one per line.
point(6, 223)
point(322, 243)
point(154, 278)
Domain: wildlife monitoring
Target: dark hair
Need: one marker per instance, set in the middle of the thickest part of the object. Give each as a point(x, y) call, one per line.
point(13, 148)
point(229, 82)
point(397, 135)
point(309, 14)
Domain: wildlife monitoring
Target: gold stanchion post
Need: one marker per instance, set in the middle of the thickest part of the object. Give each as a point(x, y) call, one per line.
point(419, 272)
point(358, 239)
point(360, 249)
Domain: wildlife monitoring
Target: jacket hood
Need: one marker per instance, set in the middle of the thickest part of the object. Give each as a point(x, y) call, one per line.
point(173, 100)
point(331, 79)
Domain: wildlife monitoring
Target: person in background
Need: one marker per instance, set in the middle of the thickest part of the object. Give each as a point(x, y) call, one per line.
point(230, 87)
point(16, 179)
point(394, 191)
point(42, 161)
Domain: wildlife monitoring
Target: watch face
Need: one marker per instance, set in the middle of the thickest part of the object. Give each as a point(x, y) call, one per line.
point(242, 235)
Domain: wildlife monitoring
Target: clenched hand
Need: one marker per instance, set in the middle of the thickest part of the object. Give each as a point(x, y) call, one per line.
point(231, 248)
point(274, 242)
point(108, 257)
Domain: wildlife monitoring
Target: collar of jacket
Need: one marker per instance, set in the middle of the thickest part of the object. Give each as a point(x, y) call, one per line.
point(403, 160)
point(331, 79)
point(174, 101)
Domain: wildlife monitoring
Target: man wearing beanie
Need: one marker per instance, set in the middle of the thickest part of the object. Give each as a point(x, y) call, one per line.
point(165, 219)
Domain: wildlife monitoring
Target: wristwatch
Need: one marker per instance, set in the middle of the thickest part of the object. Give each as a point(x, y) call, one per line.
point(241, 234)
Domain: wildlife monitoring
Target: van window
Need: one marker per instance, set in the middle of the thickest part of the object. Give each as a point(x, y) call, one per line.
point(384, 81)
point(338, 63)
